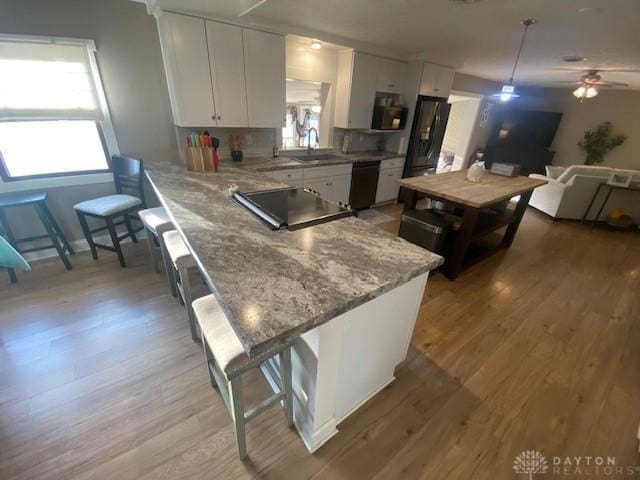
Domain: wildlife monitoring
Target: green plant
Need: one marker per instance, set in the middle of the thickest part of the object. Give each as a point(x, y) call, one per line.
point(597, 143)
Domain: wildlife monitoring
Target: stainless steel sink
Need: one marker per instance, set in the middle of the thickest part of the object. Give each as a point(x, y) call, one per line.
point(313, 157)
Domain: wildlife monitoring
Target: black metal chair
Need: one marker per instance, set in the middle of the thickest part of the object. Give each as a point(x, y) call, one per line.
point(53, 231)
point(129, 198)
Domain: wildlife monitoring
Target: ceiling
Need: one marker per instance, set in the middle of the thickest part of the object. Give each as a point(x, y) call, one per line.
point(478, 38)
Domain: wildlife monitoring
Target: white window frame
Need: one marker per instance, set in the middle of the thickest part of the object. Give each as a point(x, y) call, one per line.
point(107, 126)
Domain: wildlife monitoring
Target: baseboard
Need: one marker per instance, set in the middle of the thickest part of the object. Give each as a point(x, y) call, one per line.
point(367, 398)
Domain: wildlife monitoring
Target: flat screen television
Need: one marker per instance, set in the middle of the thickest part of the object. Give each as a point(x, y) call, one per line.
point(527, 128)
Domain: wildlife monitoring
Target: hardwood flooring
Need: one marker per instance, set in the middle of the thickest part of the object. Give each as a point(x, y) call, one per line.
point(535, 348)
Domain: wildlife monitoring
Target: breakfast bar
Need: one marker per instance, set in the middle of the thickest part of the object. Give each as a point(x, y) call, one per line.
point(345, 293)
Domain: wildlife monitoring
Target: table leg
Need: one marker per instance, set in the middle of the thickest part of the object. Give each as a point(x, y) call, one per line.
point(593, 199)
point(510, 234)
point(604, 202)
point(453, 264)
point(411, 200)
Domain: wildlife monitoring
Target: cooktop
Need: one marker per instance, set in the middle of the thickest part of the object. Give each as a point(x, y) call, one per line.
point(292, 208)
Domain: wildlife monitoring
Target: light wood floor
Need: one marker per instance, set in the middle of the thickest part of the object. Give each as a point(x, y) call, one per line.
point(537, 347)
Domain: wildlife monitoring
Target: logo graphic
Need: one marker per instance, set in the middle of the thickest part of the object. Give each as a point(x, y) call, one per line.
point(530, 462)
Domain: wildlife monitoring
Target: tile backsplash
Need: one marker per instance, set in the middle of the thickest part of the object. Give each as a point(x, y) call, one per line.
point(362, 141)
point(255, 141)
point(260, 141)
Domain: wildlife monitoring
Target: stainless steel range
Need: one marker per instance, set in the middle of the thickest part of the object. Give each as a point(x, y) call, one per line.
point(292, 208)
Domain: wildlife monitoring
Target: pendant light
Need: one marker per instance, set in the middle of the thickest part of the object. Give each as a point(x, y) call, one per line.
point(508, 90)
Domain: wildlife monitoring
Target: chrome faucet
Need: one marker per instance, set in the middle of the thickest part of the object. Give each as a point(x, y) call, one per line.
point(309, 141)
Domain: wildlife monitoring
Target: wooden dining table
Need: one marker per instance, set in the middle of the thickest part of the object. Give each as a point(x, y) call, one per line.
point(473, 203)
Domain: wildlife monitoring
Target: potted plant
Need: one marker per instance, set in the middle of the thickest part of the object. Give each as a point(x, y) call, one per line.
point(597, 143)
point(235, 145)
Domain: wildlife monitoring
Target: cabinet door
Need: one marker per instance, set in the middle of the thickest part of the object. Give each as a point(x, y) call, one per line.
point(290, 177)
point(226, 59)
point(186, 62)
point(363, 90)
point(387, 185)
point(436, 80)
point(319, 185)
point(339, 189)
point(264, 63)
point(391, 75)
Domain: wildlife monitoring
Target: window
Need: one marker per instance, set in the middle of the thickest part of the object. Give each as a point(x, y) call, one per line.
point(305, 101)
point(53, 115)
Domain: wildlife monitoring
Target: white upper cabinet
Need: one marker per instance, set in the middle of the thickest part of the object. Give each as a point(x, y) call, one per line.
point(226, 61)
point(436, 80)
point(222, 75)
point(184, 48)
point(356, 89)
point(391, 75)
point(264, 61)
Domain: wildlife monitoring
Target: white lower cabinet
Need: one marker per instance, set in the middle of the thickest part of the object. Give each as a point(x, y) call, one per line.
point(339, 189)
point(291, 176)
point(387, 185)
point(318, 185)
point(333, 189)
point(333, 183)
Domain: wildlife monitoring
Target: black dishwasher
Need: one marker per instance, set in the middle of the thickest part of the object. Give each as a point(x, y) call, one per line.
point(364, 183)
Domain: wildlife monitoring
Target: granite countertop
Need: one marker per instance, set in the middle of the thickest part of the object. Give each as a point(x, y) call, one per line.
point(275, 285)
point(287, 161)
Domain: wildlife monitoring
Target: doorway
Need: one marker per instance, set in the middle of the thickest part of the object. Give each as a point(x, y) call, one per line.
point(461, 135)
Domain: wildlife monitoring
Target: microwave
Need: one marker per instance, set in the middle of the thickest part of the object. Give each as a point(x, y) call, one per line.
point(388, 118)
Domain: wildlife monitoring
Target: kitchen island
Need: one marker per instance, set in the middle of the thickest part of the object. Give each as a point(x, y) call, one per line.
point(344, 292)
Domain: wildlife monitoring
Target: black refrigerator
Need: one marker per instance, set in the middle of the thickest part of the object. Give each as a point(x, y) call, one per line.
point(429, 123)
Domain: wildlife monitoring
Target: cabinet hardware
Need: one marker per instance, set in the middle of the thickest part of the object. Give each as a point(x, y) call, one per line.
point(219, 117)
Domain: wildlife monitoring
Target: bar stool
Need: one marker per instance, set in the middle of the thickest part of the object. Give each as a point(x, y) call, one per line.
point(226, 361)
point(129, 197)
point(53, 231)
point(156, 222)
point(181, 262)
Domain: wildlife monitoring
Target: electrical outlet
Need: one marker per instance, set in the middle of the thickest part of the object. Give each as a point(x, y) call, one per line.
point(248, 140)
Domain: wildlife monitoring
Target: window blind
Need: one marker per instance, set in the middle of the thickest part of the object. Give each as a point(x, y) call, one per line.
point(46, 81)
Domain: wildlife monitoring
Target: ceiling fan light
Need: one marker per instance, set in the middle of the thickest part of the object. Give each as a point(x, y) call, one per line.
point(591, 92)
point(580, 91)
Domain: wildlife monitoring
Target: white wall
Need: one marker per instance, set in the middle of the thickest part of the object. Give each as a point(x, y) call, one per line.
point(461, 126)
point(130, 63)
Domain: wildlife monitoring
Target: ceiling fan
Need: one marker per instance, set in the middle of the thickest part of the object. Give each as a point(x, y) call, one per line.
point(590, 82)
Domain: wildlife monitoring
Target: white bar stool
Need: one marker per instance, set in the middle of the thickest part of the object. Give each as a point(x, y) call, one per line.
point(226, 361)
point(156, 221)
point(181, 262)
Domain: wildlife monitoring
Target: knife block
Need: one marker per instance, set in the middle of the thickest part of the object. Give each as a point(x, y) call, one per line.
point(198, 159)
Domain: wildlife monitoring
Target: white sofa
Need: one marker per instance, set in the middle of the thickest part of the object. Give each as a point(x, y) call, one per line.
point(569, 191)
